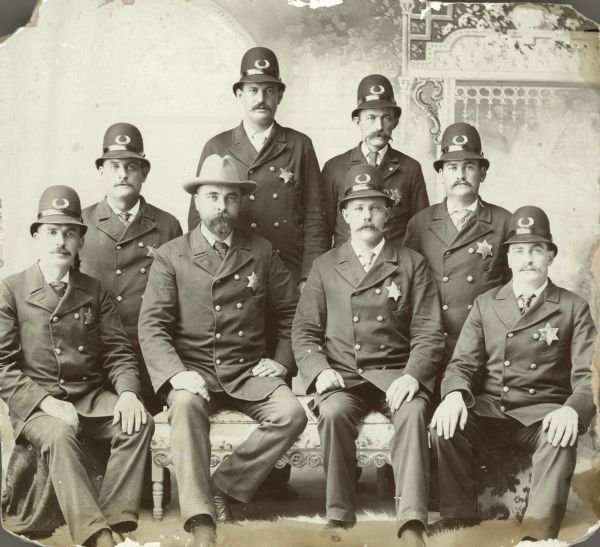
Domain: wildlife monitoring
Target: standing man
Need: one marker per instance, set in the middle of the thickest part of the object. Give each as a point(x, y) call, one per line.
point(367, 335)
point(461, 237)
point(287, 205)
point(531, 343)
point(376, 115)
point(124, 233)
point(203, 334)
point(62, 345)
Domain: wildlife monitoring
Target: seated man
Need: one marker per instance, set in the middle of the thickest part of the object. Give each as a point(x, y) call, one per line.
point(531, 343)
point(367, 336)
point(202, 333)
point(62, 343)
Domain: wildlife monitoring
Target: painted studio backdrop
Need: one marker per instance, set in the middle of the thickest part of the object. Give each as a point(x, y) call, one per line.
point(527, 75)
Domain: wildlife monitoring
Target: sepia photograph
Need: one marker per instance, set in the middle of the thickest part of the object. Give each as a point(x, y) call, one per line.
point(299, 273)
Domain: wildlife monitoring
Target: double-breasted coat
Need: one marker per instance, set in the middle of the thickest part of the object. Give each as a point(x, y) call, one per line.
point(370, 327)
point(203, 314)
point(463, 264)
point(287, 207)
point(403, 182)
point(529, 365)
point(68, 348)
point(121, 259)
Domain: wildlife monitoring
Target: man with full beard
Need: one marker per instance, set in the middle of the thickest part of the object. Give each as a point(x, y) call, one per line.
point(202, 331)
point(376, 115)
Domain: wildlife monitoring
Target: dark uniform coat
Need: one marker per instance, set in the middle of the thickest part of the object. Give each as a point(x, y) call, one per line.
point(463, 264)
point(370, 327)
point(209, 316)
point(67, 348)
point(287, 206)
point(403, 182)
point(522, 375)
point(121, 259)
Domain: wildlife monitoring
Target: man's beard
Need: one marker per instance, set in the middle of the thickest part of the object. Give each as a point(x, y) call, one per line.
point(220, 225)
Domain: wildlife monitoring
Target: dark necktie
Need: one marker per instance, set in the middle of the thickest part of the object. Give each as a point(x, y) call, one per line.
point(525, 302)
point(372, 158)
point(125, 218)
point(59, 287)
point(221, 247)
point(460, 217)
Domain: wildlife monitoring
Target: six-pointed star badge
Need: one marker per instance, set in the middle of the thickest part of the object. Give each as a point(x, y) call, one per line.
point(286, 175)
point(393, 291)
point(252, 281)
point(484, 248)
point(548, 334)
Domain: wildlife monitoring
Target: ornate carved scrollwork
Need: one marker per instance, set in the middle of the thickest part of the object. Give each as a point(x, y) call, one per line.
point(162, 459)
point(428, 95)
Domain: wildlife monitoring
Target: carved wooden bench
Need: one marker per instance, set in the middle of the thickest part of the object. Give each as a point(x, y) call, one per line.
point(230, 428)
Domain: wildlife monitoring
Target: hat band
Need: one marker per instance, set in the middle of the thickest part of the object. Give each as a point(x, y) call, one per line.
point(375, 98)
point(122, 148)
point(529, 231)
point(360, 187)
point(460, 148)
point(61, 212)
point(258, 71)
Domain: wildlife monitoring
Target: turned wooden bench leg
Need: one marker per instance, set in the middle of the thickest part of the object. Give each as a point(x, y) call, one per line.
point(158, 477)
point(381, 483)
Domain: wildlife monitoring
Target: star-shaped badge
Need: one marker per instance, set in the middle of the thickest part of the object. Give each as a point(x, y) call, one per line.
point(88, 316)
point(252, 281)
point(484, 248)
point(548, 334)
point(393, 291)
point(286, 175)
point(394, 194)
point(151, 251)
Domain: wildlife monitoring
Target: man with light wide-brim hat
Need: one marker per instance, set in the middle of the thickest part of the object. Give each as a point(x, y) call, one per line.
point(203, 334)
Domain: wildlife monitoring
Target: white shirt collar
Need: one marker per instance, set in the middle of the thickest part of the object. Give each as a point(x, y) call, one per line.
point(380, 153)
point(211, 238)
point(133, 211)
point(252, 134)
point(518, 292)
point(375, 250)
point(49, 279)
point(471, 207)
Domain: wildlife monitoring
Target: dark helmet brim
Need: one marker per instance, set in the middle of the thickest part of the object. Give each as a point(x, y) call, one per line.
point(460, 155)
point(530, 238)
point(57, 219)
point(379, 103)
point(258, 78)
point(120, 155)
point(370, 193)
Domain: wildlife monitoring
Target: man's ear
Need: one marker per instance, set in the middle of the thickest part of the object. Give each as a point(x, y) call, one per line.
point(356, 120)
point(483, 171)
point(280, 95)
point(396, 121)
point(145, 171)
point(345, 215)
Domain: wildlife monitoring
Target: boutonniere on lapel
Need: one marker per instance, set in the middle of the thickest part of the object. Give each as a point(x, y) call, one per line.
point(151, 251)
point(88, 317)
point(548, 334)
point(484, 248)
point(394, 194)
point(252, 282)
point(287, 176)
point(393, 291)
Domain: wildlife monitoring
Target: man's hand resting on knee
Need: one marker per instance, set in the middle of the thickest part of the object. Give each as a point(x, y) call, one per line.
point(190, 381)
point(451, 412)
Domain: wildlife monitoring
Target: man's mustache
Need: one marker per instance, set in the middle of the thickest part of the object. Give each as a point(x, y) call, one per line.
point(461, 181)
point(261, 106)
point(61, 252)
point(380, 134)
point(369, 227)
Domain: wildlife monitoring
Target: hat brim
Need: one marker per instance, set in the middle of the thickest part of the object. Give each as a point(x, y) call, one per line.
point(377, 104)
point(57, 219)
point(246, 186)
point(530, 238)
point(460, 155)
point(258, 78)
point(365, 194)
point(120, 155)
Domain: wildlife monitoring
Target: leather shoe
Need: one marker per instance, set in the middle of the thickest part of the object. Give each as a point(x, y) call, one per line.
point(222, 509)
point(334, 527)
point(102, 538)
point(451, 523)
point(412, 534)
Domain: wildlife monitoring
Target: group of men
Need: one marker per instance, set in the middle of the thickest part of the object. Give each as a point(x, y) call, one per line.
point(442, 317)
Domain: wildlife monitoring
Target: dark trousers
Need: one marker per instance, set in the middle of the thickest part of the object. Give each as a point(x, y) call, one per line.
point(550, 479)
point(339, 414)
point(119, 499)
point(281, 419)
